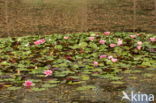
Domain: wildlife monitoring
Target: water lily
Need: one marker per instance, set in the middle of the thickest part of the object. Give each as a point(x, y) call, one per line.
point(107, 33)
point(133, 36)
point(28, 83)
point(103, 56)
point(48, 72)
point(112, 45)
point(102, 41)
point(95, 63)
point(152, 39)
point(110, 57)
point(139, 47)
point(120, 42)
point(91, 38)
point(66, 37)
point(38, 42)
point(139, 42)
point(114, 60)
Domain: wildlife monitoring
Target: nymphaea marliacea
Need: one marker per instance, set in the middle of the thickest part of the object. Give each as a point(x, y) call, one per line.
point(112, 45)
point(48, 72)
point(152, 39)
point(95, 63)
point(91, 38)
point(110, 57)
point(120, 42)
point(28, 83)
point(66, 37)
point(139, 47)
point(41, 41)
point(102, 56)
point(107, 33)
point(139, 43)
point(114, 60)
point(102, 41)
point(133, 36)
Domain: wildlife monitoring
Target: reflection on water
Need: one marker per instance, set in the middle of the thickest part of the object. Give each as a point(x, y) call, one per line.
point(26, 17)
point(105, 91)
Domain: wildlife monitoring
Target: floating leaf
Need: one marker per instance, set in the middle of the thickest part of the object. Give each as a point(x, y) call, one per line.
point(148, 75)
point(85, 77)
point(38, 89)
point(117, 82)
point(53, 81)
point(83, 45)
point(49, 85)
point(14, 88)
point(87, 87)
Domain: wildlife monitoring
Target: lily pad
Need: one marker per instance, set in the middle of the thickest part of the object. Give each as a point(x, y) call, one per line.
point(87, 87)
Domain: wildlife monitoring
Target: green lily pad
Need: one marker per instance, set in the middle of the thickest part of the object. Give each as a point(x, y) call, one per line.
point(49, 85)
point(87, 87)
point(38, 89)
point(14, 88)
point(117, 82)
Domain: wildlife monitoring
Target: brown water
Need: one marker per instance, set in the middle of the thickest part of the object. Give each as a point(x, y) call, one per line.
point(105, 92)
point(40, 17)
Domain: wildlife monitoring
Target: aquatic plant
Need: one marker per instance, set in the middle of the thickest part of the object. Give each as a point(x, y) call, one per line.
point(107, 33)
point(38, 42)
point(102, 41)
point(48, 72)
point(28, 83)
point(50, 60)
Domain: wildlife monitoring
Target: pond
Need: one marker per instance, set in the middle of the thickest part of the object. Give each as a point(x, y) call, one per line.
point(105, 91)
point(89, 67)
point(40, 17)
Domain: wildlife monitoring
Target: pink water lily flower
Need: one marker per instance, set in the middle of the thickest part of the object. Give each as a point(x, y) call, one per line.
point(139, 47)
point(48, 72)
point(91, 38)
point(103, 56)
point(114, 60)
point(102, 41)
point(110, 57)
point(112, 45)
point(139, 42)
point(66, 37)
point(38, 42)
point(133, 36)
point(107, 33)
point(95, 63)
point(152, 39)
point(120, 42)
point(28, 83)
